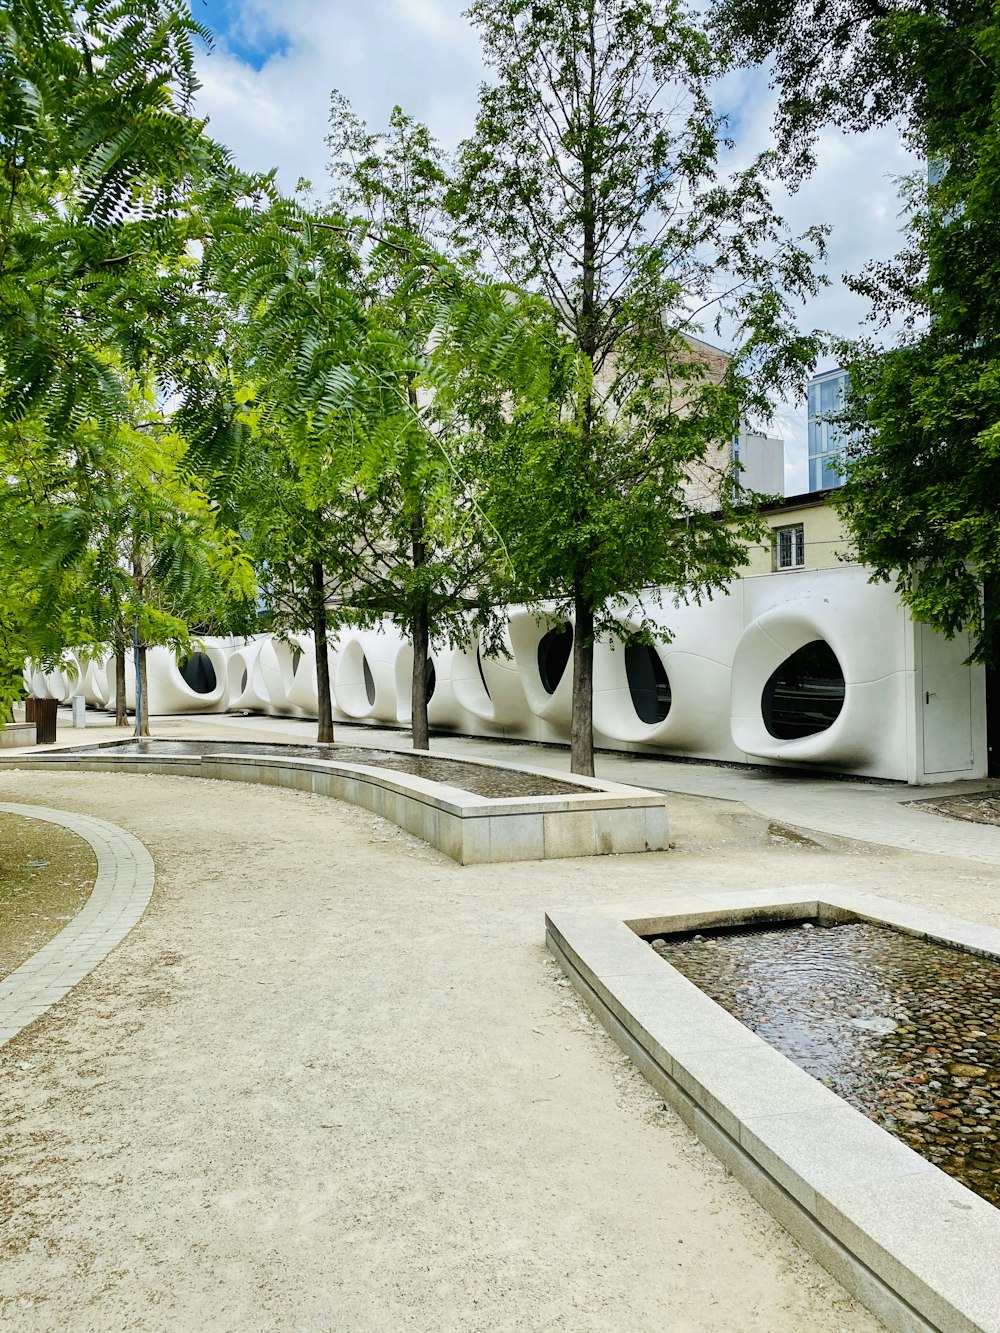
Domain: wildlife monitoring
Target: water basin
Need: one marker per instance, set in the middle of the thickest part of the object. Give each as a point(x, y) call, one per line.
point(913, 1242)
point(479, 779)
point(903, 1029)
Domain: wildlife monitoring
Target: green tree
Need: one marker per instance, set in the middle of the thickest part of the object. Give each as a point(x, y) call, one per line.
point(100, 154)
point(121, 541)
point(592, 178)
point(425, 559)
point(301, 519)
point(922, 492)
point(299, 342)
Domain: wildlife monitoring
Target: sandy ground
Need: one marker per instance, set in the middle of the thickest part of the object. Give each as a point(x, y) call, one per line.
point(332, 1081)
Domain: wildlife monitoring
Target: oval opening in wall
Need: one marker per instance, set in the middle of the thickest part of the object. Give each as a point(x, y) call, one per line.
point(554, 648)
point(482, 673)
point(430, 675)
point(648, 683)
point(806, 693)
point(198, 673)
point(369, 679)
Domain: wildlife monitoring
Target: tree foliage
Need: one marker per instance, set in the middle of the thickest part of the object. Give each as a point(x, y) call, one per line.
point(98, 148)
point(858, 64)
point(592, 179)
point(425, 560)
point(922, 492)
point(114, 538)
point(297, 329)
point(923, 481)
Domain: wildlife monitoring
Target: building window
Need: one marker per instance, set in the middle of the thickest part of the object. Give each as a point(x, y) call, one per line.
point(790, 547)
point(829, 438)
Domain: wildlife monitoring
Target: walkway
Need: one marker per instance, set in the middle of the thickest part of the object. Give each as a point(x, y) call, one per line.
point(332, 1082)
point(120, 895)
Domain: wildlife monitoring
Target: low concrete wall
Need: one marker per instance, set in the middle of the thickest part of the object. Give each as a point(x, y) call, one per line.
point(16, 734)
point(473, 830)
point(914, 1245)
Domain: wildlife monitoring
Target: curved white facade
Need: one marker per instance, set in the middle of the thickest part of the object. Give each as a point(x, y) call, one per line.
point(909, 707)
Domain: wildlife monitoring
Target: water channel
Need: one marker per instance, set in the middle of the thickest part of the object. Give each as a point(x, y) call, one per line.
point(904, 1030)
point(479, 779)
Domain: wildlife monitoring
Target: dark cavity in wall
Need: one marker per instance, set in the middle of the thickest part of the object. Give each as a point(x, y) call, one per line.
point(806, 693)
point(482, 673)
point(554, 648)
point(648, 683)
point(198, 673)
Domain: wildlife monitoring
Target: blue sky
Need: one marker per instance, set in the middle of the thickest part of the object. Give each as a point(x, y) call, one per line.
point(252, 42)
point(266, 89)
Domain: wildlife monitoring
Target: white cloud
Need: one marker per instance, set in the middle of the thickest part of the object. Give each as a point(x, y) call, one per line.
point(420, 54)
point(434, 18)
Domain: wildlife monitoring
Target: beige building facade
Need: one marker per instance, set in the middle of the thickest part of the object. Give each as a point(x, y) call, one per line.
point(806, 532)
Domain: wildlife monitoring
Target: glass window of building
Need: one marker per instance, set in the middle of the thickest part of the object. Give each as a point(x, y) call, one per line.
point(790, 547)
point(827, 439)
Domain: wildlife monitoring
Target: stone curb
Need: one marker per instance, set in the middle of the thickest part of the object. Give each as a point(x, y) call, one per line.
point(604, 818)
point(910, 1242)
point(120, 895)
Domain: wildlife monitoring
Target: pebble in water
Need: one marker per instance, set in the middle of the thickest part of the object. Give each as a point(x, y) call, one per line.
point(881, 1026)
point(904, 1030)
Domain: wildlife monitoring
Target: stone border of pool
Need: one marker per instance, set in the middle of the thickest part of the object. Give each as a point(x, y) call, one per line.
point(121, 893)
point(473, 830)
point(914, 1245)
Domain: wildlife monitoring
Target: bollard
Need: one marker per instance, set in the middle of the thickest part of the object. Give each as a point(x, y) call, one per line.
point(79, 710)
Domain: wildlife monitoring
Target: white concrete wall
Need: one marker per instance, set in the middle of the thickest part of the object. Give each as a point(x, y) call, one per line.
point(912, 710)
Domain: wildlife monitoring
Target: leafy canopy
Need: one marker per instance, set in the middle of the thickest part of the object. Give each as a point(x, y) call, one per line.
point(592, 179)
point(922, 489)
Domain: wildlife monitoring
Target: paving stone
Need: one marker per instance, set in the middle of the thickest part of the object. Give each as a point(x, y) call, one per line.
point(121, 893)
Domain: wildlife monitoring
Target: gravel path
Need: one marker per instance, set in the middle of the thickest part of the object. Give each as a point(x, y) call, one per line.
point(332, 1081)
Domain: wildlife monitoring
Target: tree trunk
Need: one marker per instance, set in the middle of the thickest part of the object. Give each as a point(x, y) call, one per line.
point(324, 697)
point(420, 634)
point(145, 691)
point(139, 648)
point(121, 710)
point(418, 692)
point(991, 615)
point(420, 623)
point(582, 731)
point(582, 726)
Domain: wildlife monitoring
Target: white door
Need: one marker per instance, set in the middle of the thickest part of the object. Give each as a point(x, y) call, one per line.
point(946, 702)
